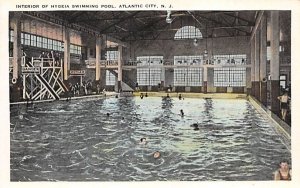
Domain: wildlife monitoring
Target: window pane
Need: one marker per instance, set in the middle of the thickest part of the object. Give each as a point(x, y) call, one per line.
point(33, 40)
point(149, 70)
point(45, 45)
point(188, 32)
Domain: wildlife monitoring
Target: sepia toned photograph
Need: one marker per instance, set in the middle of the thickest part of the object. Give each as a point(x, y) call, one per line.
point(175, 95)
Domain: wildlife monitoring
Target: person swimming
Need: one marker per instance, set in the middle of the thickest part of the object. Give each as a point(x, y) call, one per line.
point(196, 126)
point(179, 97)
point(107, 114)
point(156, 155)
point(181, 113)
point(143, 141)
point(283, 172)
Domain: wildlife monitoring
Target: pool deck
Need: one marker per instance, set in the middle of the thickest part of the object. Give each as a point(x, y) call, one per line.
point(194, 95)
point(72, 98)
point(151, 94)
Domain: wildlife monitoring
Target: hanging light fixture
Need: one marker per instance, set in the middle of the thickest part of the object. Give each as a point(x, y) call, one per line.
point(195, 42)
point(195, 39)
point(105, 54)
point(212, 47)
point(168, 18)
point(205, 50)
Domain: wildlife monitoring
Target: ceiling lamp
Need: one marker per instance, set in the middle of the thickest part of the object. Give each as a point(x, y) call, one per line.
point(195, 42)
point(168, 18)
point(205, 50)
point(205, 53)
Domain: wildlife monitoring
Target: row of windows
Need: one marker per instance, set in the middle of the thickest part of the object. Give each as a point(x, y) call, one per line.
point(188, 32)
point(188, 77)
point(225, 77)
point(43, 42)
point(230, 77)
point(149, 76)
point(110, 77)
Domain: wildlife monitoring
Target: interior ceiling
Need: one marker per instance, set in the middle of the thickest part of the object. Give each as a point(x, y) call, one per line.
point(151, 25)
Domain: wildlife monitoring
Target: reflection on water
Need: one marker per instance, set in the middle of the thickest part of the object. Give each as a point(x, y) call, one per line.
point(77, 141)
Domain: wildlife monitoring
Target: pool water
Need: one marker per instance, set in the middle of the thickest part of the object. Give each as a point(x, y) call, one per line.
point(78, 141)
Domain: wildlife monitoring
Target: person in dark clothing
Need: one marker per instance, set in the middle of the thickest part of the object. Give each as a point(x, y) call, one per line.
point(179, 97)
point(181, 113)
point(284, 99)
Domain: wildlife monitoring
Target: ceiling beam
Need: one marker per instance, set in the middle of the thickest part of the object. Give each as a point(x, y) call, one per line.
point(75, 15)
point(257, 22)
point(149, 25)
point(194, 17)
point(172, 38)
point(120, 20)
point(222, 24)
point(239, 18)
point(140, 18)
point(175, 29)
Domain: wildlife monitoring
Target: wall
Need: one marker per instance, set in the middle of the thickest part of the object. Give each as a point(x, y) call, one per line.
point(170, 48)
point(166, 48)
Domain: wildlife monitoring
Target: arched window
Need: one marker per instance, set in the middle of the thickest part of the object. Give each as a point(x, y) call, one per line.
point(188, 32)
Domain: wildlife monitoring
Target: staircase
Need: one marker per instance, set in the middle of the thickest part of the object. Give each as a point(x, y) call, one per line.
point(127, 84)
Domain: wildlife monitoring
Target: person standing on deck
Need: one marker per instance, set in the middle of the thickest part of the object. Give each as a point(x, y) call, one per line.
point(284, 104)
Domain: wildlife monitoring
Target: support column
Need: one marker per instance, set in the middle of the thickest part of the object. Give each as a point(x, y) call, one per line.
point(88, 51)
point(252, 67)
point(120, 49)
point(17, 58)
point(263, 61)
point(274, 64)
point(162, 79)
point(257, 64)
point(204, 79)
point(98, 57)
point(66, 53)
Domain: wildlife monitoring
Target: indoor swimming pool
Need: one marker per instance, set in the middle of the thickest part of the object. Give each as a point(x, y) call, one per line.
point(99, 140)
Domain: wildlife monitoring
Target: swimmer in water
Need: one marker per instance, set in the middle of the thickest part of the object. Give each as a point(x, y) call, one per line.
point(156, 155)
point(284, 172)
point(181, 113)
point(143, 141)
point(196, 126)
point(179, 97)
point(107, 114)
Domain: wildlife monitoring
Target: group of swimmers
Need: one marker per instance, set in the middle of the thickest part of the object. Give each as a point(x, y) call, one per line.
point(142, 95)
point(156, 154)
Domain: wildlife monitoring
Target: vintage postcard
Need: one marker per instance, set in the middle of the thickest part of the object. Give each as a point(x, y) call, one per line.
point(149, 93)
